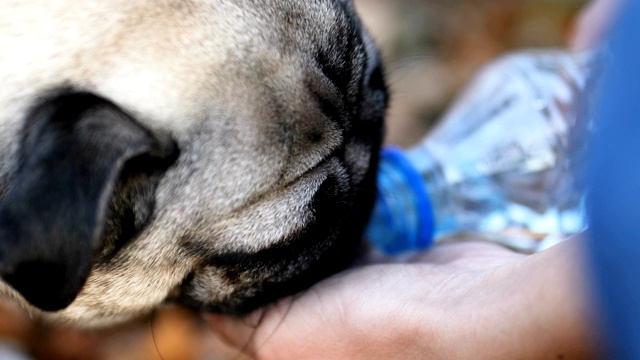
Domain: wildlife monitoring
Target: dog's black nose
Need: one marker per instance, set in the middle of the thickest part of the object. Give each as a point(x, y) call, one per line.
point(37, 281)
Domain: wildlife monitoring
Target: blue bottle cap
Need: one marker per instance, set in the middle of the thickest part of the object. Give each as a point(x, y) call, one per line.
point(403, 216)
point(422, 201)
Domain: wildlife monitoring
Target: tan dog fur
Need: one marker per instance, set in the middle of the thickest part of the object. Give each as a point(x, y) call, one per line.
point(230, 82)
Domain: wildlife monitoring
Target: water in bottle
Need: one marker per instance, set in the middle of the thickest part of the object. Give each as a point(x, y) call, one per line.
point(497, 165)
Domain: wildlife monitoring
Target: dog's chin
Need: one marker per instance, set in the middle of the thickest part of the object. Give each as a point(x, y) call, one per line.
point(328, 244)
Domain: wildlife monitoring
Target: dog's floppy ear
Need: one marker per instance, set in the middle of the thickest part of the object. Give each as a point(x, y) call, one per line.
point(73, 148)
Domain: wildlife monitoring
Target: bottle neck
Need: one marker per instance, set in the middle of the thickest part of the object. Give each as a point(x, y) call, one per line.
point(437, 187)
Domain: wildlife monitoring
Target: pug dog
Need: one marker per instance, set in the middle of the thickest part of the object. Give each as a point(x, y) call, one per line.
point(212, 153)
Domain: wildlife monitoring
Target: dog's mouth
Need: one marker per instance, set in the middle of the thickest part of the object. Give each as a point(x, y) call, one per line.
point(236, 282)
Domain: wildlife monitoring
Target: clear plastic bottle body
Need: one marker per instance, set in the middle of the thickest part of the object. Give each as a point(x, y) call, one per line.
point(497, 165)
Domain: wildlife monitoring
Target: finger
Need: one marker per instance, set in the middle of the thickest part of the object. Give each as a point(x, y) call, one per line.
point(593, 23)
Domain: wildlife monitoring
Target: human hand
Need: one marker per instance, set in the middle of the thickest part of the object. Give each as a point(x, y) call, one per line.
point(594, 22)
point(457, 301)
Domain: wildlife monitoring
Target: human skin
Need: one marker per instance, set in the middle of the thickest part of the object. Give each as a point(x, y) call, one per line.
point(594, 23)
point(458, 301)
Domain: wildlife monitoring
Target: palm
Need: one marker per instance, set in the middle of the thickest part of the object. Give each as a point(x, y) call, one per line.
point(368, 298)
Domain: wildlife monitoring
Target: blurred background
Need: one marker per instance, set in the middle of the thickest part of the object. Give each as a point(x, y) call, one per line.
point(431, 49)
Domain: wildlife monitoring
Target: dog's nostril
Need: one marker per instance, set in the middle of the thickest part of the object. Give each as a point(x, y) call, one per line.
point(37, 280)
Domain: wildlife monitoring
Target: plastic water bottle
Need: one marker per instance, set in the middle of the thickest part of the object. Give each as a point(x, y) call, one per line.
point(497, 166)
